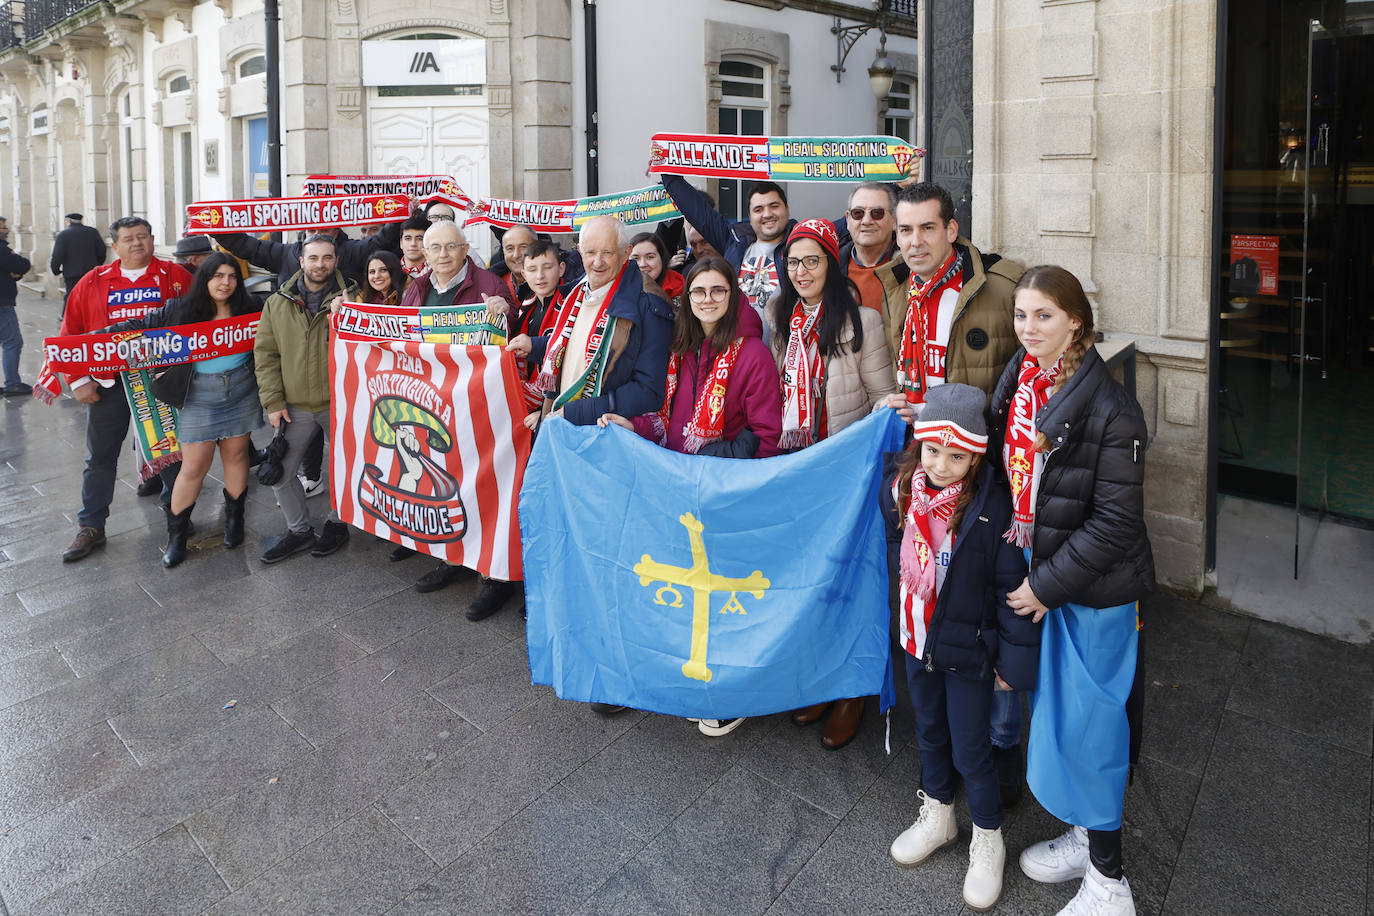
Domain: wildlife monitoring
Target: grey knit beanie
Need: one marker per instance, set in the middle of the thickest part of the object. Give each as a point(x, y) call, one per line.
point(953, 415)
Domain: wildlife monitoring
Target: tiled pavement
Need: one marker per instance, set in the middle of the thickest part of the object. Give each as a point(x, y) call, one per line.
point(384, 755)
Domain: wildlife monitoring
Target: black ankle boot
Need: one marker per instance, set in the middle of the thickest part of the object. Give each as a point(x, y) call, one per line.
point(178, 525)
point(233, 518)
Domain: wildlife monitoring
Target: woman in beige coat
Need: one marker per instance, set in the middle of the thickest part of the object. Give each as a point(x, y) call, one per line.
point(836, 367)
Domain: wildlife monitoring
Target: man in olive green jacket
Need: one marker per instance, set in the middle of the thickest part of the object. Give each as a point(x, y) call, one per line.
point(966, 295)
point(291, 354)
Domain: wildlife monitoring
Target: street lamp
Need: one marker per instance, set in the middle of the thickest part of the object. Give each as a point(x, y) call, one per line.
point(881, 71)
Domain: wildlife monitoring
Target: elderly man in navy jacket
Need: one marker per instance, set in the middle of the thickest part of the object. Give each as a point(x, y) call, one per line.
point(608, 351)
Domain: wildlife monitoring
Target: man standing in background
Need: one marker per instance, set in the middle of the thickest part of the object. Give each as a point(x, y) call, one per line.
point(77, 250)
point(12, 267)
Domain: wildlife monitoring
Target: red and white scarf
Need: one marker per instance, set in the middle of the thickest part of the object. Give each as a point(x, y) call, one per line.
point(1020, 457)
point(921, 327)
point(562, 333)
point(708, 413)
point(803, 381)
point(918, 554)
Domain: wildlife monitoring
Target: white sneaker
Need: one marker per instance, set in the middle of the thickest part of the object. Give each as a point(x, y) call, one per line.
point(1064, 858)
point(717, 727)
point(987, 859)
point(311, 486)
point(934, 829)
point(1099, 895)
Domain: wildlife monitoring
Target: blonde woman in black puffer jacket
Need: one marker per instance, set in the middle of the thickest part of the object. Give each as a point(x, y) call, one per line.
point(1072, 443)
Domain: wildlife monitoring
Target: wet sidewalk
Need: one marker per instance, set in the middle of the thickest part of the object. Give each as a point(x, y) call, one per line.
point(316, 737)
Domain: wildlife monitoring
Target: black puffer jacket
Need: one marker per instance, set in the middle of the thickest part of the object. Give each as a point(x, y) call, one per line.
point(1090, 546)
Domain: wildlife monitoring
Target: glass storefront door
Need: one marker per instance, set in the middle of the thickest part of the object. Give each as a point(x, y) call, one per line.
point(1296, 316)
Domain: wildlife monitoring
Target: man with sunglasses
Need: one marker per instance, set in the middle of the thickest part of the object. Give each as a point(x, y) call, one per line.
point(870, 258)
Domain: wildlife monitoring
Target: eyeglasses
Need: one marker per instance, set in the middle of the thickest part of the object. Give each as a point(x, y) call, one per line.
point(810, 262)
point(715, 293)
point(448, 246)
point(874, 213)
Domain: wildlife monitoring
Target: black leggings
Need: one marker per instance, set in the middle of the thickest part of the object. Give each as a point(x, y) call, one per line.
point(1104, 851)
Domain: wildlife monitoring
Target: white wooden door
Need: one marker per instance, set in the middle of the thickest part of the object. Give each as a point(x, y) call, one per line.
point(411, 137)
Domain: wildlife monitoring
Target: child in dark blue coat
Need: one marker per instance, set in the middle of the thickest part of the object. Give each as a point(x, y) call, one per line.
point(956, 626)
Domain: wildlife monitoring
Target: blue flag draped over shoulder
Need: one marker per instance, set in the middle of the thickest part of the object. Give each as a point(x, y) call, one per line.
point(707, 587)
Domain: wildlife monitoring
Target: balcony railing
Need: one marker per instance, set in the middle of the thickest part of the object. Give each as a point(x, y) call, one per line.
point(41, 15)
point(11, 24)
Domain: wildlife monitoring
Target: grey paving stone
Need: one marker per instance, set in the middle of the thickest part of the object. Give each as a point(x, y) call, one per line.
point(60, 772)
point(400, 615)
point(1168, 618)
point(655, 771)
point(374, 683)
point(333, 581)
point(79, 582)
point(31, 675)
point(365, 866)
point(30, 633)
point(266, 822)
point(205, 570)
point(1186, 684)
point(830, 780)
point(250, 629)
point(67, 843)
point(547, 859)
point(765, 834)
point(450, 807)
point(33, 534)
point(154, 727)
point(853, 863)
point(168, 875)
point(37, 722)
point(1290, 841)
point(491, 688)
point(1312, 685)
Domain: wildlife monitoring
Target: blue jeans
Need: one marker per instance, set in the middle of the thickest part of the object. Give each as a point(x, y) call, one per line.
point(1004, 728)
point(11, 342)
point(952, 733)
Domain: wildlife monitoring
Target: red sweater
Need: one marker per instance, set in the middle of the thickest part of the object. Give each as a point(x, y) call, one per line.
point(104, 297)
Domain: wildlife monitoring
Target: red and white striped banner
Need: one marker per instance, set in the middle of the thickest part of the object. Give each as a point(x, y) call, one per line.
point(428, 448)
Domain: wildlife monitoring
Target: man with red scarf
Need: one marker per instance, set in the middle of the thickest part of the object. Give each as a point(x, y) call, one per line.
point(134, 284)
point(956, 326)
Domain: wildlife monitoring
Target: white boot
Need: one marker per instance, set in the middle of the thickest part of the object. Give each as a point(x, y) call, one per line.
point(987, 859)
point(1099, 895)
point(1064, 858)
point(934, 828)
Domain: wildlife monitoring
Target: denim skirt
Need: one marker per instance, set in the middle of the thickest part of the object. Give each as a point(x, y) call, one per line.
point(220, 405)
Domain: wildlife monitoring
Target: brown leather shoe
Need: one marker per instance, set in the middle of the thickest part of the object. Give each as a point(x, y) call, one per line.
point(843, 723)
point(87, 539)
point(809, 714)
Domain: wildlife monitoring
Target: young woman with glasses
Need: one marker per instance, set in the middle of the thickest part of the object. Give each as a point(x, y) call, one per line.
point(835, 366)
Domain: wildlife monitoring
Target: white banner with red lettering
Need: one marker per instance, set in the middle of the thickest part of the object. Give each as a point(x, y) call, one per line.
point(428, 448)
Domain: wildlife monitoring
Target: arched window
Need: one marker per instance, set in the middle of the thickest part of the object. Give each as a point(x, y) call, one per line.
point(178, 84)
point(745, 103)
point(255, 65)
point(899, 114)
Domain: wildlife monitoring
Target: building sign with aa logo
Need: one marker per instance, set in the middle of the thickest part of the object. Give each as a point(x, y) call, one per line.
point(440, 62)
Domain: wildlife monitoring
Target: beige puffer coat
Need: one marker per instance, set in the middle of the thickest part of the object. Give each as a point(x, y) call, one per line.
point(854, 382)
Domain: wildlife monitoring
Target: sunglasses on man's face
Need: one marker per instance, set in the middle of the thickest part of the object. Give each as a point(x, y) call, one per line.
point(874, 213)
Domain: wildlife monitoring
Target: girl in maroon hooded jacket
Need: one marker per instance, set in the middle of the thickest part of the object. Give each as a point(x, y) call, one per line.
point(723, 397)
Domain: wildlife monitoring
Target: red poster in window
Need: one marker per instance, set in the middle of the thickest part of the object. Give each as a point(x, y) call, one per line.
point(1254, 265)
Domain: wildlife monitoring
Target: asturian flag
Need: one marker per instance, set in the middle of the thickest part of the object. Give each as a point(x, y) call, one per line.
point(428, 447)
point(710, 587)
